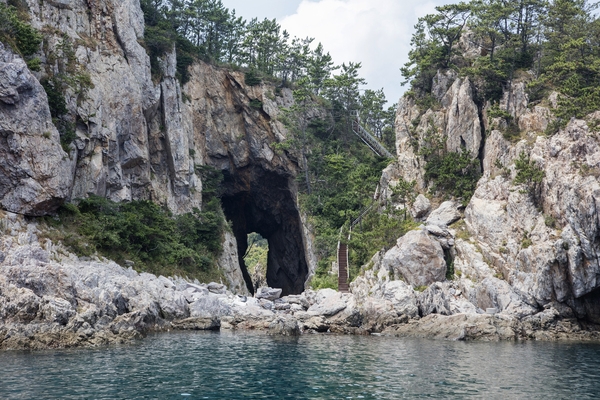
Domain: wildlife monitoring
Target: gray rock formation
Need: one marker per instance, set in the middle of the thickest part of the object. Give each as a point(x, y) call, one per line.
point(268, 293)
point(420, 207)
point(143, 139)
point(417, 258)
point(531, 257)
point(445, 214)
point(518, 251)
point(35, 172)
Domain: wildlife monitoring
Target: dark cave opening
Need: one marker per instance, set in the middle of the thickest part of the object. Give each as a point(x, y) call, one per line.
point(256, 200)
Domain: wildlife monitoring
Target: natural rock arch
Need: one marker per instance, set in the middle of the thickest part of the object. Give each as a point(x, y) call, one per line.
point(257, 200)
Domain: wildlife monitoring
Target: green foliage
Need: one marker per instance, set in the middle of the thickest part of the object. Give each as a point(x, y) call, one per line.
point(17, 32)
point(450, 270)
point(68, 78)
point(34, 64)
point(495, 112)
point(404, 192)
point(378, 231)
point(58, 110)
point(512, 133)
point(526, 241)
point(550, 221)
point(143, 232)
point(161, 37)
point(453, 173)
point(207, 30)
point(67, 135)
point(554, 126)
point(326, 281)
point(256, 104)
point(211, 181)
point(252, 78)
point(433, 44)
point(258, 249)
point(529, 174)
point(56, 99)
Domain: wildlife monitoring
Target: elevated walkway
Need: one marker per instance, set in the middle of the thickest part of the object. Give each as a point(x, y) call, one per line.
point(370, 140)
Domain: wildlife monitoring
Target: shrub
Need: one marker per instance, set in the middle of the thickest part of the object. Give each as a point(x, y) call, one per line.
point(252, 78)
point(324, 282)
point(145, 233)
point(256, 104)
point(530, 175)
point(56, 99)
point(450, 268)
point(550, 221)
point(15, 31)
point(35, 64)
point(526, 240)
point(453, 173)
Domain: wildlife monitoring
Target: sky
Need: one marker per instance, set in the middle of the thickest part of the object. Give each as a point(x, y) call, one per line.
point(376, 33)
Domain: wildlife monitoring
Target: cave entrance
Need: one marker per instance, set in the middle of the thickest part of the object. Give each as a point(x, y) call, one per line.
point(264, 202)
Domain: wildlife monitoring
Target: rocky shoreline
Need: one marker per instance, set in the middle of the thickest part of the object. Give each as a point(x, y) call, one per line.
point(50, 298)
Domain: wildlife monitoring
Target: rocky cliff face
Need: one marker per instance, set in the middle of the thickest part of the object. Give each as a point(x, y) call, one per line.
point(142, 139)
point(533, 260)
point(35, 173)
point(517, 252)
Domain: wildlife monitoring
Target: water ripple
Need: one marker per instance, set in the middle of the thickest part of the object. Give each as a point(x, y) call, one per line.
point(254, 366)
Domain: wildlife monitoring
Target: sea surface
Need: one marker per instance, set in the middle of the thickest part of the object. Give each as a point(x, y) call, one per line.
point(227, 365)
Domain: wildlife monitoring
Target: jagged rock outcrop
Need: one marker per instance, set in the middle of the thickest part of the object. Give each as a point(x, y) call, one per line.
point(143, 137)
point(522, 249)
point(530, 259)
point(456, 119)
point(418, 258)
point(50, 298)
point(35, 172)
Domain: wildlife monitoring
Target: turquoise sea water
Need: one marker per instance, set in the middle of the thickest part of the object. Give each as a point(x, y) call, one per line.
point(199, 365)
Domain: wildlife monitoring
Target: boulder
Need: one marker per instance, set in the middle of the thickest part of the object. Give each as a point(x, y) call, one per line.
point(317, 323)
point(268, 293)
point(417, 258)
point(197, 324)
point(421, 207)
point(482, 327)
point(329, 302)
point(434, 300)
point(208, 307)
point(216, 288)
point(285, 326)
point(445, 214)
point(401, 296)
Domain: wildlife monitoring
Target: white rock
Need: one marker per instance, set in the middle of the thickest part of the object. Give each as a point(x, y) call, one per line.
point(445, 214)
point(417, 258)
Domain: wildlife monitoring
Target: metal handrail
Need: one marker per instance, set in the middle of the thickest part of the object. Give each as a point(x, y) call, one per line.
point(369, 139)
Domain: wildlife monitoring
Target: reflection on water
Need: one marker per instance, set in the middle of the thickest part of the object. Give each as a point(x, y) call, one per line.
point(255, 366)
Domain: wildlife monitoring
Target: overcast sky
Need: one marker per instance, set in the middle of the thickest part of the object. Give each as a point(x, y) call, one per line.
point(374, 32)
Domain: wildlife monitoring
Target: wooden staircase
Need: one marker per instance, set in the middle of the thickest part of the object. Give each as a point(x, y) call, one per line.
point(342, 253)
point(343, 274)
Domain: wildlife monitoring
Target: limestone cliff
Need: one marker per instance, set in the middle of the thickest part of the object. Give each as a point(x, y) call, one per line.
point(138, 138)
point(532, 259)
point(520, 253)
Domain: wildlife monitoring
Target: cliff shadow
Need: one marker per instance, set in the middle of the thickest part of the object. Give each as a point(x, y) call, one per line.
point(256, 200)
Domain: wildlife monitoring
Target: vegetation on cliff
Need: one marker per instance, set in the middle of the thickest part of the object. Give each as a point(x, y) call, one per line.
point(339, 174)
point(18, 33)
point(557, 41)
point(150, 236)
